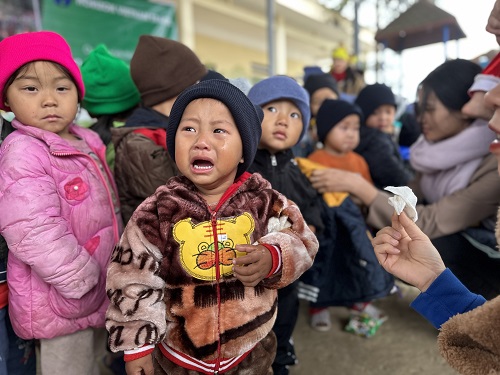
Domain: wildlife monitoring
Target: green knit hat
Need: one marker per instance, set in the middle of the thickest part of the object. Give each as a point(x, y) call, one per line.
point(109, 88)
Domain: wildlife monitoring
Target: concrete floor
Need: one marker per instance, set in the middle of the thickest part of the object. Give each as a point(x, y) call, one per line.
point(405, 344)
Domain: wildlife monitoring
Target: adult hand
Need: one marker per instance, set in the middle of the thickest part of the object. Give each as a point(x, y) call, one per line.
point(338, 180)
point(252, 268)
point(331, 180)
point(406, 252)
point(140, 366)
point(493, 25)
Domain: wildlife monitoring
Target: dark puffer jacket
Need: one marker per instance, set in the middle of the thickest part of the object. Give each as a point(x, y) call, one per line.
point(387, 167)
point(285, 176)
point(345, 270)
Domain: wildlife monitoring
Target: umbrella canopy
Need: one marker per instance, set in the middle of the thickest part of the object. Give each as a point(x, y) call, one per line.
point(423, 23)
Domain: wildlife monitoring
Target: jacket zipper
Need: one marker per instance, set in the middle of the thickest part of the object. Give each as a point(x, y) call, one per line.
point(213, 220)
point(217, 278)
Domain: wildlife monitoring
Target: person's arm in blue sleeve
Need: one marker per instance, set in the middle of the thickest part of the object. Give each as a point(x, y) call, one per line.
point(445, 298)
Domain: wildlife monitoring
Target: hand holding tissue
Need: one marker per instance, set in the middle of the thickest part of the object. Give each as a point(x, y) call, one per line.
point(403, 200)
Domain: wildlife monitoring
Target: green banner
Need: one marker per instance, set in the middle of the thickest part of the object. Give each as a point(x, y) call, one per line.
point(116, 23)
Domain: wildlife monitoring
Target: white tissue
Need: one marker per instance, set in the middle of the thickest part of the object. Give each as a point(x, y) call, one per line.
point(403, 200)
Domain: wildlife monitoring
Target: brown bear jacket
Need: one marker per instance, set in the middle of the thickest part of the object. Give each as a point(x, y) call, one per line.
point(171, 284)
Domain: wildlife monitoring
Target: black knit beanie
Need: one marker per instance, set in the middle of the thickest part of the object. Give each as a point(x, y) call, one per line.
point(373, 96)
point(331, 113)
point(248, 117)
point(318, 81)
point(161, 68)
point(451, 81)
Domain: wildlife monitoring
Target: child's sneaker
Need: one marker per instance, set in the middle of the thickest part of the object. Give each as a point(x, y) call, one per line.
point(368, 308)
point(320, 320)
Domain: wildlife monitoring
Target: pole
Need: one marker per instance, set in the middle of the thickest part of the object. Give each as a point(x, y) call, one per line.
point(356, 31)
point(377, 56)
point(36, 12)
point(270, 38)
point(446, 38)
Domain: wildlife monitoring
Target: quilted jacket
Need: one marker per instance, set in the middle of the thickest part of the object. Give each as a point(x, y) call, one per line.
point(142, 162)
point(60, 224)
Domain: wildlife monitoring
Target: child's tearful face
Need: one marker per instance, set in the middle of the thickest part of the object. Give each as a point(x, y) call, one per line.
point(281, 127)
point(208, 147)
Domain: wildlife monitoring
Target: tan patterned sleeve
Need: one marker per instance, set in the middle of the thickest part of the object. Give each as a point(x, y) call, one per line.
point(298, 244)
point(136, 314)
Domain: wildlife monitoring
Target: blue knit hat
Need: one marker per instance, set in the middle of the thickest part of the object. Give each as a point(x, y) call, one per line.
point(248, 117)
point(282, 87)
point(331, 113)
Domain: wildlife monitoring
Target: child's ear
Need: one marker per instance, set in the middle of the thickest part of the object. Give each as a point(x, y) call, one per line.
point(242, 160)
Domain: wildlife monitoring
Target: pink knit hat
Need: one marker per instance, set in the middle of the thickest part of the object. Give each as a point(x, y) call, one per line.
point(20, 49)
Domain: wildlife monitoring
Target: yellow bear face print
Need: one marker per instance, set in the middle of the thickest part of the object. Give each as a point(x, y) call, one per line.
point(200, 253)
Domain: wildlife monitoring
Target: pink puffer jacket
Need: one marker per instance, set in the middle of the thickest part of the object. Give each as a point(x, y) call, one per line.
point(58, 217)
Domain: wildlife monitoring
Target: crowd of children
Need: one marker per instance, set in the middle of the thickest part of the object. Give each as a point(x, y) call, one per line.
point(235, 204)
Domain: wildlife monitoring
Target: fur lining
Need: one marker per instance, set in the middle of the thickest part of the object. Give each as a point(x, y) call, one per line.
point(470, 342)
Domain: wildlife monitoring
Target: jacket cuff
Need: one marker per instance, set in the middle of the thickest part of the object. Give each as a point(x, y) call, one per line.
point(130, 355)
point(276, 254)
point(483, 82)
point(444, 298)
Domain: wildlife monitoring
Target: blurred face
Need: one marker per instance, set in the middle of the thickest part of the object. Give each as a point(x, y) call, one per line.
point(492, 99)
point(339, 65)
point(437, 121)
point(281, 127)
point(319, 96)
point(343, 137)
point(383, 118)
point(208, 147)
point(45, 97)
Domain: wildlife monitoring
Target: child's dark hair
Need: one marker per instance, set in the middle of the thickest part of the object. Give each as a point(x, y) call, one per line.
point(23, 69)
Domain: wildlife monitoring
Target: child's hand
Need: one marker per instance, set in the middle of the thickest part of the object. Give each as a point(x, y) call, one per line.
point(140, 366)
point(250, 269)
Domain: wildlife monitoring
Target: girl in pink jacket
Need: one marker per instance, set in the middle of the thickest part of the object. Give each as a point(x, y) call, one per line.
point(58, 204)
